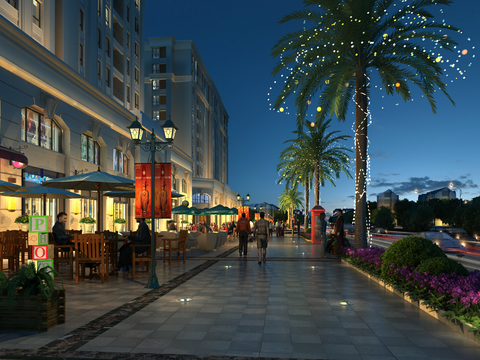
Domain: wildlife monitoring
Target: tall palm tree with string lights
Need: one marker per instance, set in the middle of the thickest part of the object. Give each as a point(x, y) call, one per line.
point(317, 152)
point(290, 199)
point(341, 43)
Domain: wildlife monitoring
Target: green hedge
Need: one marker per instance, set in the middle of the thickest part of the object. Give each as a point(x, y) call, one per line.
point(439, 265)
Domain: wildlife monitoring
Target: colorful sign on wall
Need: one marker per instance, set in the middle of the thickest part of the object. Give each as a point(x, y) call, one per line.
point(162, 191)
point(243, 209)
point(42, 251)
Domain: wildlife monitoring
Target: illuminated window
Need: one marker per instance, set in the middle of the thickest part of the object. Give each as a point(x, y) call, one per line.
point(156, 115)
point(155, 84)
point(120, 161)
point(201, 198)
point(156, 68)
point(89, 150)
point(40, 131)
point(107, 16)
point(155, 53)
point(156, 100)
point(36, 12)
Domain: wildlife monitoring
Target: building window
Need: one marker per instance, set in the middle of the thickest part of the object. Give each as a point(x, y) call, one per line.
point(137, 25)
point(99, 70)
point(200, 198)
point(99, 8)
point(156, 115)
point(163, 115)
point(90, 150)
point(128, 13)
point(137, 4)
point(40, 131)
point(128, 40)
point(163, 99)
point(99, 32)
point(156, 69)
point(128, 94)
point(137, 76)
point(36, 11)
point(163, 84)
point(13, 3)
point(137, 50)
point(120, 161)
point(107, 46)
point(184, 186)
point(156, 100)
point(80, 50)
point(107, 76)
point(107, 16)
point(128, 67)
point(81, 20)
point(155, 84)
point(155, 53)
point(137, 101)
point(163, 68)
point(163, 52)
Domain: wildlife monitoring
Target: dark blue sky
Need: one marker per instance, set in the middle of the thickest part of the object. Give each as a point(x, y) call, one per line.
point(410, 147)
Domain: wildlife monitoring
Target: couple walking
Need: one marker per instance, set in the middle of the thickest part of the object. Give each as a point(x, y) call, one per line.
point(260, 230)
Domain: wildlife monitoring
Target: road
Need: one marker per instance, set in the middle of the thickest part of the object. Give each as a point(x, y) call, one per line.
point(470, 258)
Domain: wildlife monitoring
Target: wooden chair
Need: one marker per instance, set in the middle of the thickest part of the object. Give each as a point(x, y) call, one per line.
point(9, 250)
point(181, 247)
point(73, 232)
point(63, 254)
point(22, 241)
point(112, 247)
point(91, 248)
point(143, 258)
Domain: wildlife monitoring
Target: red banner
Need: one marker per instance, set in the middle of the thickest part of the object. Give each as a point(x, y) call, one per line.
point(243, 210)
point(162, 190)
point(257, 216)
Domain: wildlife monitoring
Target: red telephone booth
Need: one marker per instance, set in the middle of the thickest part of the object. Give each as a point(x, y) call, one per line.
point(316, 223)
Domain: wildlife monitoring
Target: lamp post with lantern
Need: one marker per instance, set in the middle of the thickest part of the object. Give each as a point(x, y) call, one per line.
point(239, 198)
point(152, 145)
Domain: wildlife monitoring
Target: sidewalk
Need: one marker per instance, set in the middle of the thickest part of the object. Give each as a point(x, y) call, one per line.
point(287, 307)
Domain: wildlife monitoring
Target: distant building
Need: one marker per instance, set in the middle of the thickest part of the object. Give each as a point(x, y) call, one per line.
point(442, 194)
point(267, 208)
point(387, 199)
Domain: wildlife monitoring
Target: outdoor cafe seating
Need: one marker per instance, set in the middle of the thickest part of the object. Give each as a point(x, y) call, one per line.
point(179, 246)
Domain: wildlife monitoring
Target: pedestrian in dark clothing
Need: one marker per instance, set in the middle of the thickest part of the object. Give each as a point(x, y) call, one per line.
point(58, 230)
point(339, 232)
point(142, 238)
point(261, 231)
point(243, 227)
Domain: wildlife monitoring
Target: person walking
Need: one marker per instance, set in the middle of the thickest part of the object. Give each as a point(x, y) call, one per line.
point(261, 232)
point(243, 227)
point(339, 232)
point(323, 235)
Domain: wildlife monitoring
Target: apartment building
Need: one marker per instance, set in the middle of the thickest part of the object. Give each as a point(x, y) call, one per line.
point(70, 85)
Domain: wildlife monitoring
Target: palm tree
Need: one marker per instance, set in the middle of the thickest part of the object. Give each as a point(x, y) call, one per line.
point(289, 200)
point(316, 152)
point(348, 40)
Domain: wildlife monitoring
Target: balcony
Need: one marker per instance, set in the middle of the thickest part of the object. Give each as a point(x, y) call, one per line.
point(118, 32)
point(118, 61)
point(118, 7)
point(118, 89)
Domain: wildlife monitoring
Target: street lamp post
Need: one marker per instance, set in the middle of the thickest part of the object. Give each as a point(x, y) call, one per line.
point(152, 145)
point(239, 198)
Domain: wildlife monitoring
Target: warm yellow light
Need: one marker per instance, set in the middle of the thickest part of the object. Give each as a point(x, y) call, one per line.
point(282, 109)
point(312, 124)
point(76, 206)
point(397, 85)
point(464, 52)
point(110, 207)
point(11, 204)
point(319, 108)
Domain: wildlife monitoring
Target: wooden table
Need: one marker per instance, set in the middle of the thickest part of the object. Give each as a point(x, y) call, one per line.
point(113, 250)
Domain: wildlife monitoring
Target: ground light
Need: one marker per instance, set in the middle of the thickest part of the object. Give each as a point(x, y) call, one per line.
point(184, 300)
point(228, 266)
point(345, 303)
point(313, 267)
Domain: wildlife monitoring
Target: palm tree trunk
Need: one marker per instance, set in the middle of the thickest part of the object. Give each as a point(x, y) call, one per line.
point(317, 185)
point(307, 202)
point(361, 125)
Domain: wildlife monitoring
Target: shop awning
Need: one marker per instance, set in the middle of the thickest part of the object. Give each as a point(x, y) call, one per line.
point(9, 154)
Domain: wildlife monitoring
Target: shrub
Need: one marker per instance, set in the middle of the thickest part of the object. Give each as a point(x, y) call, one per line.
point(308, 231)
point(439, 265)
point(409, 251)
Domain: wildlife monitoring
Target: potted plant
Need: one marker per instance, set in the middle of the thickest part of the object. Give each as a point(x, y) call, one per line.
point(22, 222)
point(119, 224)
point(149, 223)
point(88, 224)
point(30, 300)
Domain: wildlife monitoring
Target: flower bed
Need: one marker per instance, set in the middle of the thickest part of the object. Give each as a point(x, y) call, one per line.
point(457, 295)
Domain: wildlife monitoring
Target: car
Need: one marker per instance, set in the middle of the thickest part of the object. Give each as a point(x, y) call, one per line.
point(442, 239)
point(379, 230)
point(440, 228)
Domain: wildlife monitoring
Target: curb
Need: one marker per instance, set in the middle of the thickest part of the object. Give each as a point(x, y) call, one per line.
point(458, 327)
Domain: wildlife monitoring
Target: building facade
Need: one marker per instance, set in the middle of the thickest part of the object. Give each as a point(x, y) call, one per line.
point(70, 85)
point(442, 194)
point(387, 199)
point(178, 86)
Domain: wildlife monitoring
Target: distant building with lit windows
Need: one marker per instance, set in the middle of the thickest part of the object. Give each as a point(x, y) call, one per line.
point(178, 86)
point(387, 199)
point(442, 194)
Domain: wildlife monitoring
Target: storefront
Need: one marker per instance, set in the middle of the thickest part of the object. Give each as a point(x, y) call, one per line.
point(33, 176)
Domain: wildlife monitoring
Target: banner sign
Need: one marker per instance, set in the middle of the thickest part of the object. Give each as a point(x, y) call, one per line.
point(257, 216)
point(241, 210)
point(162, 190)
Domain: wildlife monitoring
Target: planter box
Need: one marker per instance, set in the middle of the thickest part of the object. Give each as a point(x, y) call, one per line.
point(33, 313)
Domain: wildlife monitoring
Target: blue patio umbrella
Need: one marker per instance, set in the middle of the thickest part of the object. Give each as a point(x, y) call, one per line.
point(131, 194)
point(44, 193)
point(11, 187)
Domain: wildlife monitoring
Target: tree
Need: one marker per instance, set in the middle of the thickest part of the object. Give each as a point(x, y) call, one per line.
point(340, 44)
point(289, 200)
point(384, 218)
point(401, 208)
point(420, 218)
point(314, 151)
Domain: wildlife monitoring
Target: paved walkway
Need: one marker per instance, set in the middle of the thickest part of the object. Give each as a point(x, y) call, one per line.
point(288, 307)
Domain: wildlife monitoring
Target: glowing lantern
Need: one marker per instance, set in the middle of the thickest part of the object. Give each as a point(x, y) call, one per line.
point(319, 108)
point(312, 124)
point(397, 84)
point(282, 109)
point(438, 59)
point(309, 102)
point(464, 52)
point(11, 204)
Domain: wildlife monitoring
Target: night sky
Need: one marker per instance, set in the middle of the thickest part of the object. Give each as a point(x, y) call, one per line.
point(411, 148)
